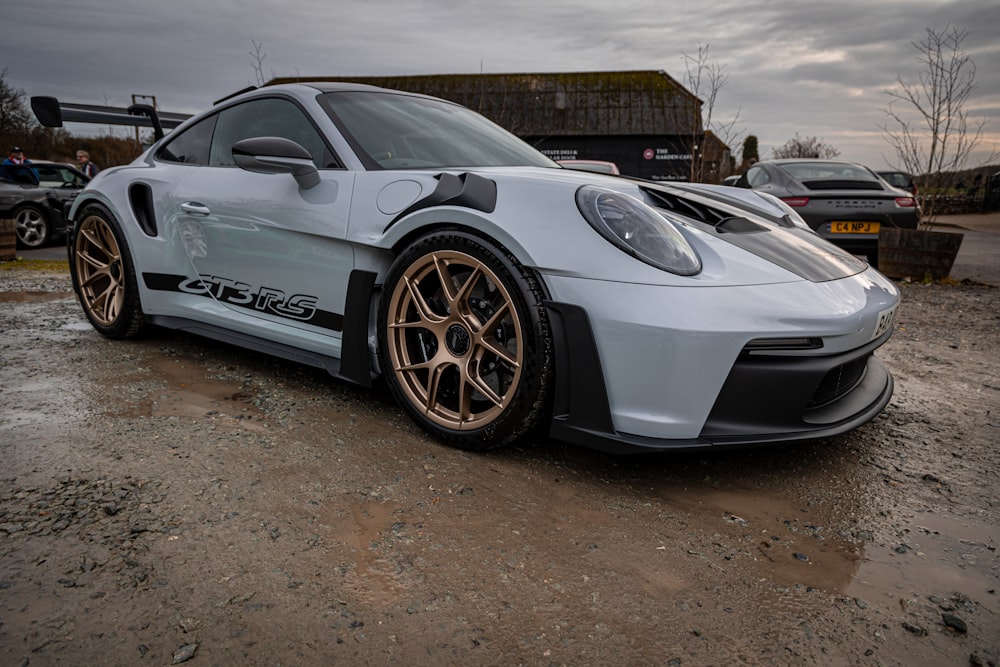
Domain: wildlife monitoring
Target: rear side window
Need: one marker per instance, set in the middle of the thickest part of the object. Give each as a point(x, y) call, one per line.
point(190, 146)
point(757, 177)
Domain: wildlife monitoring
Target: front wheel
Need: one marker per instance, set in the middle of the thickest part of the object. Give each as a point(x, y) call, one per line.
point(33, 228)
point(464, 342)
point(104, 276)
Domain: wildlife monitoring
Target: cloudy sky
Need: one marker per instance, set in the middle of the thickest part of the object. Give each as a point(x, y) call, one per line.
point(819, 69)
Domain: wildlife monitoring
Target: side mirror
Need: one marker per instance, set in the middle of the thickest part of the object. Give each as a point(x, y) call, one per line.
point(276, 155)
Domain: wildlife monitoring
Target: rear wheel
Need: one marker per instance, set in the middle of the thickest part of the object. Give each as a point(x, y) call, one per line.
point(33, 228)
point(464, 342)
point(104, 276)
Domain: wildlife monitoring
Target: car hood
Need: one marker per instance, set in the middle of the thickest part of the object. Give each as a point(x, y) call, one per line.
point(753, 222)
point(758, 224)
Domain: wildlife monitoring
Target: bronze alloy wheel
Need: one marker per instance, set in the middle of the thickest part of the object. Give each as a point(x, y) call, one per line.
point(454, 340)
point(99, 271)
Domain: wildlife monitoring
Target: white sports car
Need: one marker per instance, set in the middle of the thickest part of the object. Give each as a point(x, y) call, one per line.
point(377, 233)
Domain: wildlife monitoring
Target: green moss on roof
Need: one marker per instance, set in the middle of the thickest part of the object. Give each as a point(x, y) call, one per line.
point(644, 102)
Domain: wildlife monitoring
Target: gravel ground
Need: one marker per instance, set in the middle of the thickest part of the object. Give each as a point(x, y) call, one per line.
point(172, 500)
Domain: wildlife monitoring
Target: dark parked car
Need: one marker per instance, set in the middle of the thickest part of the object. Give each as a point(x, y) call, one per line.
point(846, 203)
point(899, 179)
point(36, 196)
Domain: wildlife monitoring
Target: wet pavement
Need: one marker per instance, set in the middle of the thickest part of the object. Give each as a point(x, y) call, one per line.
point(172, 496)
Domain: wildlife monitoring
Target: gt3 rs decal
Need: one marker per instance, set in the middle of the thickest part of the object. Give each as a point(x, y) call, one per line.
point(298, 307)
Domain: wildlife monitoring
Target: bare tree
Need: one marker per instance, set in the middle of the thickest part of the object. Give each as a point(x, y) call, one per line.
point(932, 134)
point(15, 118)
point(257, 62)
point(805, 147)
point(705, 78)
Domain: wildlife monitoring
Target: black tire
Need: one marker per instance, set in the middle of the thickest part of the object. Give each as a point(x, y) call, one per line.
point(33, 227)
point(464, 342)
point(104, 275)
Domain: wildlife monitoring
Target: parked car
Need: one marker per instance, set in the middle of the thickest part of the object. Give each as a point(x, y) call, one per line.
point(846, 203)
point(731, 180)
point(598, 166)
point(373, 232)
point(37, 195)
point(899, 179)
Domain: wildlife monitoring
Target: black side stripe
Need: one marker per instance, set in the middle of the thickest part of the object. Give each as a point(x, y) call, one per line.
point(165, 282)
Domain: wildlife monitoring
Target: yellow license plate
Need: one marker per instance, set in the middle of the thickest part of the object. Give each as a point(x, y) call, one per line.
point(854, 227)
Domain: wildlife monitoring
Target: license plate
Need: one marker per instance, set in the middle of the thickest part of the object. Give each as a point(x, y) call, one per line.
point(854, 227)
point(884, 322)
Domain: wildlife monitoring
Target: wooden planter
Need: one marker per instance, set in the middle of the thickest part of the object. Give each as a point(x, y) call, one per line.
point(917, 254)
point(8, 239)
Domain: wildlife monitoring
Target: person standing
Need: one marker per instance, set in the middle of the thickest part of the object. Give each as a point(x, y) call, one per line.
point(85, 165)
point(17, 157)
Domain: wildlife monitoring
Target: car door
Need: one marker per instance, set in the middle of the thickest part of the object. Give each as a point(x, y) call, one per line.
point(263, 246)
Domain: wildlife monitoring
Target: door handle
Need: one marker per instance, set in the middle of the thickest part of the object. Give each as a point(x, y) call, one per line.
point(194, 208)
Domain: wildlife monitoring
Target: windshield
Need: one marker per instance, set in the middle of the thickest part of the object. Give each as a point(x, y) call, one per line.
point(841, 171)
point(399, 131)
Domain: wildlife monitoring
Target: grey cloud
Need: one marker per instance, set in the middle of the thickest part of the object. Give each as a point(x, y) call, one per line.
point(191, 52)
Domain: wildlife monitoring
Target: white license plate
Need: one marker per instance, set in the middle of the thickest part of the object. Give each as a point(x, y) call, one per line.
point(884, 323)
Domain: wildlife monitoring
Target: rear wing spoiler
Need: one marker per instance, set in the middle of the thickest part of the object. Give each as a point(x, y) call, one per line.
point(50, 112)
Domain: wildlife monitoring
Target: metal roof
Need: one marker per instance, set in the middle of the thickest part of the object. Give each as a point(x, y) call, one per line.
point(640, 102)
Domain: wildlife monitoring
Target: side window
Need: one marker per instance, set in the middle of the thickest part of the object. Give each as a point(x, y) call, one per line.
point(757, 177)
point(272, 117)
point(190, 146)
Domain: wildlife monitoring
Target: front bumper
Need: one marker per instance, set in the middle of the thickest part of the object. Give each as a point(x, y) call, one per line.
point(641, 368)
point(765, 400)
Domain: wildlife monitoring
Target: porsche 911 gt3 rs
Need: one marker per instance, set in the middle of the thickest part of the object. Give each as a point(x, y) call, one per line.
point(377, 233)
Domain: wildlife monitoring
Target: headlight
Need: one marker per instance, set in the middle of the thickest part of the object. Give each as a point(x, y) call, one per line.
point(638, 230)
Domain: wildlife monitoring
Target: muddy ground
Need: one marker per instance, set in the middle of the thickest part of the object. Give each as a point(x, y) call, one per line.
point(174, 500)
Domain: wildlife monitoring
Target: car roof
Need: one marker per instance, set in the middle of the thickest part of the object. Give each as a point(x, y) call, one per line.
point(792, 160)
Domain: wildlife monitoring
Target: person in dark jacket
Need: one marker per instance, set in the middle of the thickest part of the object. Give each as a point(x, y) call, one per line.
point(17, 157)
point(85, 165)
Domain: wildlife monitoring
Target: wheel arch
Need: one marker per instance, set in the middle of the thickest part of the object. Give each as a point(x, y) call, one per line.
point(522, 284)
point(81, 202)
point(402, 233)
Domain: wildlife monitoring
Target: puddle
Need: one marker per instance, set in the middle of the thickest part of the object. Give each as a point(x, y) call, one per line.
point(942, 553)
point(938, 554)
point(790, 546)
point(33, 296)
point(362, 526)
point(81, 325)
point(189, 394)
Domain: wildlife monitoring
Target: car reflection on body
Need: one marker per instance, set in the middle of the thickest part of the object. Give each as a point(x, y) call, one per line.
point(845, 203)
point(377, 233)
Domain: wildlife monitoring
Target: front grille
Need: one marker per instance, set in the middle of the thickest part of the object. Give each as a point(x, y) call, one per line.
point(838, 382)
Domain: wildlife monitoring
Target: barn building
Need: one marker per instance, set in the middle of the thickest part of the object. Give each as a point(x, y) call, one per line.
point(644, 121)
